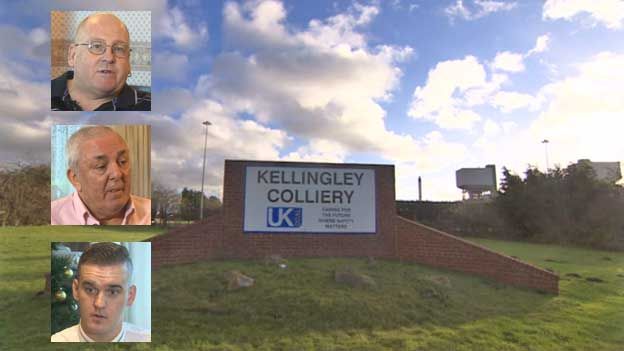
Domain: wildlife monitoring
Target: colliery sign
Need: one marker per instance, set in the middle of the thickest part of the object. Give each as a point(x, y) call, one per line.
point(306, 199)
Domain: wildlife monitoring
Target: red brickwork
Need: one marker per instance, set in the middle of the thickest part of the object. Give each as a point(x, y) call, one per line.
point(237, 244)
point(430, 246)
point(191, 243)
point(396, 238)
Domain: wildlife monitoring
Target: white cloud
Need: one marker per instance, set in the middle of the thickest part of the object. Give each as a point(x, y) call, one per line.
point(478, 9)
point(437, 100)
point(509, 62)
point(581, 119)
point(607, 12)
point(173, 24)
point(319, 150)
point(508, 101)
point(583, 116)
point(331, 81)
point(171, 66)
point(455, 87)
point(541, 45)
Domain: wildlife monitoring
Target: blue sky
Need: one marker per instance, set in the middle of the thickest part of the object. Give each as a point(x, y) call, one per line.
point(429, 86)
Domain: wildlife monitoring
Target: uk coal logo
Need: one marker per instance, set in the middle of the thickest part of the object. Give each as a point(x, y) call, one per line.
point(284, 217)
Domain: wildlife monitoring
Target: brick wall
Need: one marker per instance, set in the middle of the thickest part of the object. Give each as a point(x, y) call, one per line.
point(237, 244)
point(191, 243)
point(222, 236)
point(422, 244)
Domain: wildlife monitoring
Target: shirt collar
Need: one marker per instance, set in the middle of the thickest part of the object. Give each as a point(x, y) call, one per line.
point(88, 219)
point(118, 338)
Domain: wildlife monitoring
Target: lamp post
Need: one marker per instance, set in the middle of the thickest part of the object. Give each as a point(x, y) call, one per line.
point(201, 206)
point(545, 142)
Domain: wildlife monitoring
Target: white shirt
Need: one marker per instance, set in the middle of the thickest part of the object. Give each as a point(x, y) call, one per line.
point(129, 333)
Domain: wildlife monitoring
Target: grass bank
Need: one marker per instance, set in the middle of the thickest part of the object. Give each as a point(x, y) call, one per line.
point(301, 307)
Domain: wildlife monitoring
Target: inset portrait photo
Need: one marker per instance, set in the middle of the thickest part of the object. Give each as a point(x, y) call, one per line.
point(101, 61)
point(101, 175)
point(101, 292)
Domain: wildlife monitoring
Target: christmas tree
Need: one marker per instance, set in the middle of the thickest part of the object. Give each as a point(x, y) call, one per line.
point(64, 307)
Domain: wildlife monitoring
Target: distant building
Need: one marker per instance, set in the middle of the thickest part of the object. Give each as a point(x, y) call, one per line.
point(605, 171)
point(477, 183)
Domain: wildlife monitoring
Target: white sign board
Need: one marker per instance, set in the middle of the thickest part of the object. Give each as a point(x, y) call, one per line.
point(307, 199)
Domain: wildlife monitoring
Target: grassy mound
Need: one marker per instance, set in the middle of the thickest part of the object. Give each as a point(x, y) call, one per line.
point(302, 307)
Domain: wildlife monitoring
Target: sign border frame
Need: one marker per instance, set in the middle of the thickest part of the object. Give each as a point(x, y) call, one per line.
point(310, 165)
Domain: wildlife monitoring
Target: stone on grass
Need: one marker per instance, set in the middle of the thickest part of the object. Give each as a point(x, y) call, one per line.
point(594, 280)
point(440, 280)
point(274, 260)
point(237, 280)
point(353, 279)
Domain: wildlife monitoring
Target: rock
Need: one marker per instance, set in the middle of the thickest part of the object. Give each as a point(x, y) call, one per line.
point(353, 279)
point(371, 261)
point(440, 280)
point(237, 280)
point(594, 280)
point(433, 293)
point(276, 260)
point(573, 275)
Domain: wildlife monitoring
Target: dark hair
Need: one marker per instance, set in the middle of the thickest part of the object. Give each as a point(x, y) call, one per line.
point(106, 254)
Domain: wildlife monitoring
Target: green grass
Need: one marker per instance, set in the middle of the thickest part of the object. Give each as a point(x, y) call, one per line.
point(302, 308)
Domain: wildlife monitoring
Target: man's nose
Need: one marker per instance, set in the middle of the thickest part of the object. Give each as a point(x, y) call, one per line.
point(114, 171)
point(100, 300)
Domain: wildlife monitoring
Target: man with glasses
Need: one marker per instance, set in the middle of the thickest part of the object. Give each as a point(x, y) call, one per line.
point(103, 290)
point(100, 57)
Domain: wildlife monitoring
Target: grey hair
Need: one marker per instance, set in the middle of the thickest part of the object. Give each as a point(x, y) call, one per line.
point(72, 149)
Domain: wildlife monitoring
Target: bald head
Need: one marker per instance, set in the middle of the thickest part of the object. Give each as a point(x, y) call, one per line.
point(100, 20)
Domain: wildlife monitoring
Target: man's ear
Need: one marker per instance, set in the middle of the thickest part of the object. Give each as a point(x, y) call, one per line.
point(73, 179)
point(75, 289)
point(71, 55)
point(131, 295)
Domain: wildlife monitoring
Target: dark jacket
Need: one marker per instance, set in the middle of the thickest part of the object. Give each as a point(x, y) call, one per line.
point(129, 99)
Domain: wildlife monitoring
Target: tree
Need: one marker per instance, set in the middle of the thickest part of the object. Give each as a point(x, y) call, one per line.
point(563, 206)
point(64, 306)
point(165, 203)
point(191, 202)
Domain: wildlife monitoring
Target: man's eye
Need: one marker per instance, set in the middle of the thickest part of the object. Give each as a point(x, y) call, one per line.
point(89, 290)
point(97, 46)
point(119, 50)
point(114, 292)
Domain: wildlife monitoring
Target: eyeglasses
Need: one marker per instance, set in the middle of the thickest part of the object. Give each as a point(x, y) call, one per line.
point(98, 47)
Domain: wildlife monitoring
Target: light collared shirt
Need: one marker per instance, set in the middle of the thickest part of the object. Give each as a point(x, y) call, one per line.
point(128, 333)
point(70, 210)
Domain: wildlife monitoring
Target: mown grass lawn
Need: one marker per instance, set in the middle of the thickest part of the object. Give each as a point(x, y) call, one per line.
point(301, 307)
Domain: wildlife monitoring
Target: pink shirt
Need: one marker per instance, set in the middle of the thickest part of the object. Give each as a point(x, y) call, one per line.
point(70, 210)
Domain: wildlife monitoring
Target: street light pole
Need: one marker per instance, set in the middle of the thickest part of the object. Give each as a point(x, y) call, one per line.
point(545, 142)
point(201, 206)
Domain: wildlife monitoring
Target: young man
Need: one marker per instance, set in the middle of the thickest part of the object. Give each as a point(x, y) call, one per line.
point(99, 169)
point(100, 57)
point(103, 291)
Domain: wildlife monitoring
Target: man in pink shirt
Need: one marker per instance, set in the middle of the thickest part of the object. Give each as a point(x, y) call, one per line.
point(99, 169)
